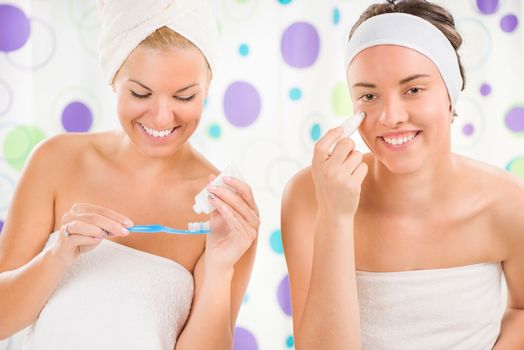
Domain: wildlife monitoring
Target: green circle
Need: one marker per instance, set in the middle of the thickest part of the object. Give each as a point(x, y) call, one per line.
point(19, 143)
point(341, 99)
point(516, 166)
point(220, 28)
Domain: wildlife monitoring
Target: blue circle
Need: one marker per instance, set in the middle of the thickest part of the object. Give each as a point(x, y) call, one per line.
point(1, 225)
point(336, 16)
point(276, 242)
point(295, 94)
point(290, 342)
point(316, 131)
point(215, 131)
point(243, 49)
point(285, 2)
point(245, 299)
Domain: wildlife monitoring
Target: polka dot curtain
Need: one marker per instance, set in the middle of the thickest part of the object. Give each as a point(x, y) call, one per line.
point(280, 85)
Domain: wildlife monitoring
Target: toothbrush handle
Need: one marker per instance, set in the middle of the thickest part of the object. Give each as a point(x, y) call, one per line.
point(142, 229)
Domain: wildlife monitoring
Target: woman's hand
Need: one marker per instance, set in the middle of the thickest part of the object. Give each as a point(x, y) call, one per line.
point(234, 224)
point(83, 227)
point(338, 177)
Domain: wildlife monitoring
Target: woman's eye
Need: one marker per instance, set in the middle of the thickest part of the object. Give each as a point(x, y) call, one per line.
point(138, 95)
point(414, 90)
point(185, 98)
point(368, 97)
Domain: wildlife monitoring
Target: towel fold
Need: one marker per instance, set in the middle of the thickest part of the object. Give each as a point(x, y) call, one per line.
point(115, 297)
point(439, 309)
point(126, 23)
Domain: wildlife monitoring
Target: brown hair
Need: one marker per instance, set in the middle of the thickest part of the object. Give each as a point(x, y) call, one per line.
point(165, 38)
point(435, 14)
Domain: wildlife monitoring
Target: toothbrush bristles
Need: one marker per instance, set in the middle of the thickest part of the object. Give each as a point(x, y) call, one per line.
point(198, 226)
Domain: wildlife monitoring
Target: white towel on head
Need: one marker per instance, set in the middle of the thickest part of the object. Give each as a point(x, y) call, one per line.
point(126, 23)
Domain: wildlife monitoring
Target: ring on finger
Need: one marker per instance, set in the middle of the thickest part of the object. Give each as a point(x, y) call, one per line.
point(105, 233)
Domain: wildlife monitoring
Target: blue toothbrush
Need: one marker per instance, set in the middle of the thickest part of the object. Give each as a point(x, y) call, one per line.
point(194, 228)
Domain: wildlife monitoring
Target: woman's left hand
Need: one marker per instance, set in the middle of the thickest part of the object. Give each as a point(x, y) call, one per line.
point(234, 224)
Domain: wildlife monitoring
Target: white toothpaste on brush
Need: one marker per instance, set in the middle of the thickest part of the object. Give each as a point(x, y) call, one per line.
point(350, 125)
point(202, 204)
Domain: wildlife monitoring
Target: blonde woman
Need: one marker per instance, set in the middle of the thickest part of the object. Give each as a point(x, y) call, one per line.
point(70, 268)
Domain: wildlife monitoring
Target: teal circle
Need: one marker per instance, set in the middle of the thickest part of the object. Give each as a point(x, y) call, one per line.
point(316, 131)
point(205, 102)
point(245, 299)
point(214, 131)
point(295, 94)
point(243, 50)
point(276, 242)
point(285, 2)
point(336, 16)
point(290, 342)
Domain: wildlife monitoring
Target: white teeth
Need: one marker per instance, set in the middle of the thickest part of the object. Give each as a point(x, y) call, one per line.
point(156, 133)
point(399, 140)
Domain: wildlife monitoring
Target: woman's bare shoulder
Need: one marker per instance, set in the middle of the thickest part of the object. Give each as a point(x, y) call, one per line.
point(505, 192)
point(64, 151)
point(299, 194)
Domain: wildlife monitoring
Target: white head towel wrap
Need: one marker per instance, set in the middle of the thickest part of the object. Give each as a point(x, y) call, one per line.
point(126, 23)
point(412, 32)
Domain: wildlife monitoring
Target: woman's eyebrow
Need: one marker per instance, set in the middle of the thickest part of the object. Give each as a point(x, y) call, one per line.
point(180, 90)
point(403, 81)
point(139, 83)
point(366, 85)
point(412, 77)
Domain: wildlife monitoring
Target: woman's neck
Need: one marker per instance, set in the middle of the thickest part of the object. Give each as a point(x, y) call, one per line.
point(411, 193)
point(152, 167)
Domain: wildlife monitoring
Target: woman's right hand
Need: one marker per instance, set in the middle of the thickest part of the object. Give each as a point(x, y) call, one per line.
point(338, 177)
point(84, 227)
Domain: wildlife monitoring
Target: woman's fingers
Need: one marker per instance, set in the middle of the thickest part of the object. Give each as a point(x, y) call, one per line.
point(360, 172)
point(237, 203)
point(225, 211)
point(243, 190)
point(322, 147)
point(102, 222)
point(233, 219)
point(81, 228)
point(343, 150)
point(353, 160)
point(81, 208)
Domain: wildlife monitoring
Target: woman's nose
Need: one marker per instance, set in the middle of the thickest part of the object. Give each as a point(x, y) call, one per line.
point(393, 113)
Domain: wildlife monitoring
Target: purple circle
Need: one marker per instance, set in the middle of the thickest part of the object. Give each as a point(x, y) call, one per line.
point(485, 89)
point(515, 119)
point(488, 7)
point(14, 28)
point(77, 117)
point(468, 129)
point(509, 23)
point(283, 295)
point(300, 45)
point(1, 226)
point(241, 103)
point(244, 340)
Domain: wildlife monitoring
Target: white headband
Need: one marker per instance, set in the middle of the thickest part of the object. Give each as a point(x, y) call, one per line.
point(126, 23)
point(412, 32)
